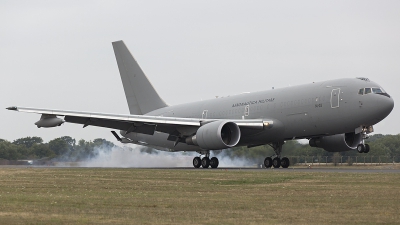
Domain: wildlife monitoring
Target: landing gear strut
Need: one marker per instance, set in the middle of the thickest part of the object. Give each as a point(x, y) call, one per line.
point(362, 147)
point(277, 161)
point(205, 162)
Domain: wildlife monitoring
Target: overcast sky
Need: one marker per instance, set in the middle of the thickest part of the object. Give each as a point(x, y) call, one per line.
point(58, 54)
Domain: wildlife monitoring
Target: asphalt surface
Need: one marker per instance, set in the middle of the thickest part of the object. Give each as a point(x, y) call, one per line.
point(336, 170)
point(253, 169)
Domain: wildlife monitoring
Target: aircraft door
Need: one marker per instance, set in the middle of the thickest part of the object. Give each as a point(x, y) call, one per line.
point(335, 98)
point(246, 111)
point(204, 115)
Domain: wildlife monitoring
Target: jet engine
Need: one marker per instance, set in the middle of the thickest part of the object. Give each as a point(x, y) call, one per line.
point(338, 142)
point(49, 121)
point(216, 135)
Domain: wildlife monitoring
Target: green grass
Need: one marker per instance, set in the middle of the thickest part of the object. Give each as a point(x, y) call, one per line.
point(152, 196)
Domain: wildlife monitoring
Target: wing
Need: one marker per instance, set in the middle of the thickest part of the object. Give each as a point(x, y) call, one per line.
point(175, 126)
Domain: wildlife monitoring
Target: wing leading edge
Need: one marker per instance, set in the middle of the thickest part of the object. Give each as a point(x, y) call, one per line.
point(140, 123)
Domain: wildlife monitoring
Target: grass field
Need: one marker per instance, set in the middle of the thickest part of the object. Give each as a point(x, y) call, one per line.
point(155, 196)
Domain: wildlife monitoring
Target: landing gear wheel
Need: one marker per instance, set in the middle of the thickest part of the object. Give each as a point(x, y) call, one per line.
point(214, 162)
point(276, 162)
point(268, 162)
point(285, 162)
point(205, 162)
point(196, 162)
point(366, 150)
point(360, 148)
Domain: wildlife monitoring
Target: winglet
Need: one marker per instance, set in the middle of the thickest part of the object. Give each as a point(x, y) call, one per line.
point(12, 108)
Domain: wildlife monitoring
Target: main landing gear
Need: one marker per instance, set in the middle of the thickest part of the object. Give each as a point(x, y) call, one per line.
point(277, 161)
point(205, 162)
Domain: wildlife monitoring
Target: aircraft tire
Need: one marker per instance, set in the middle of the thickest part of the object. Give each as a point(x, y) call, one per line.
point(276, 162)
point(285, 162)
point(214, 162)
point(268, 162)
point(196, 162)
point(205, 162)
point(360, 148)
point(366, 150)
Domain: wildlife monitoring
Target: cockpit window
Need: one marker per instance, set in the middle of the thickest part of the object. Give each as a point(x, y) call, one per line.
point(377, 90)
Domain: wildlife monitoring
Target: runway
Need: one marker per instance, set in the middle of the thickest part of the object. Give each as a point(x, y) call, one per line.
point(313, 170)
point(371, 169)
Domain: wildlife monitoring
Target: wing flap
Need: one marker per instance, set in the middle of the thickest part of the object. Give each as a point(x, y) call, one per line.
point(114, 124)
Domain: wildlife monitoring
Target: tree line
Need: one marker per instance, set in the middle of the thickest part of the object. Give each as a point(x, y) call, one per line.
point(58, 148)
point(66, 148)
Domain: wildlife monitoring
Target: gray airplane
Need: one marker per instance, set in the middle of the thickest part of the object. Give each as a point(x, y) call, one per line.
point(336, 115)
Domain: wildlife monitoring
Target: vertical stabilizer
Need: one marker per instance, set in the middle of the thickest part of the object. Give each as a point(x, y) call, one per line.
point(140, 93)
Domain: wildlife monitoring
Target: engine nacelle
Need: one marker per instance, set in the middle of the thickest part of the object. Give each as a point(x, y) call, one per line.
point(49, 121)
point(216, 135)
point(338, 142)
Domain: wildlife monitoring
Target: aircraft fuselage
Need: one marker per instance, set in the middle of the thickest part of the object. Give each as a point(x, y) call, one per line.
point(303, 111)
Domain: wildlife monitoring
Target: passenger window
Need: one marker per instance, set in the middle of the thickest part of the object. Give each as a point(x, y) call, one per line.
point(361, 91)
point(367, 90)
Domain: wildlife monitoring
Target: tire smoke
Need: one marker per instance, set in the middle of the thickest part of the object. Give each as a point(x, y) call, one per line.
point(137, 157)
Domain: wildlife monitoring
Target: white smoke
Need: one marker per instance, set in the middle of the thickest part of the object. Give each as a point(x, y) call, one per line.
point(133, 157)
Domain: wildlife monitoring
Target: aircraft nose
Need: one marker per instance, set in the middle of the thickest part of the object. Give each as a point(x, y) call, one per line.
point(380, 108)
point(387, 105)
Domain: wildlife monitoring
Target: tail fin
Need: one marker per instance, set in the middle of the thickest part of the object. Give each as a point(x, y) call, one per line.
point(140, 93)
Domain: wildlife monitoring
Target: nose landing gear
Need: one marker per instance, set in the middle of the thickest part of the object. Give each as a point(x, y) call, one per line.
point(362, 147)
